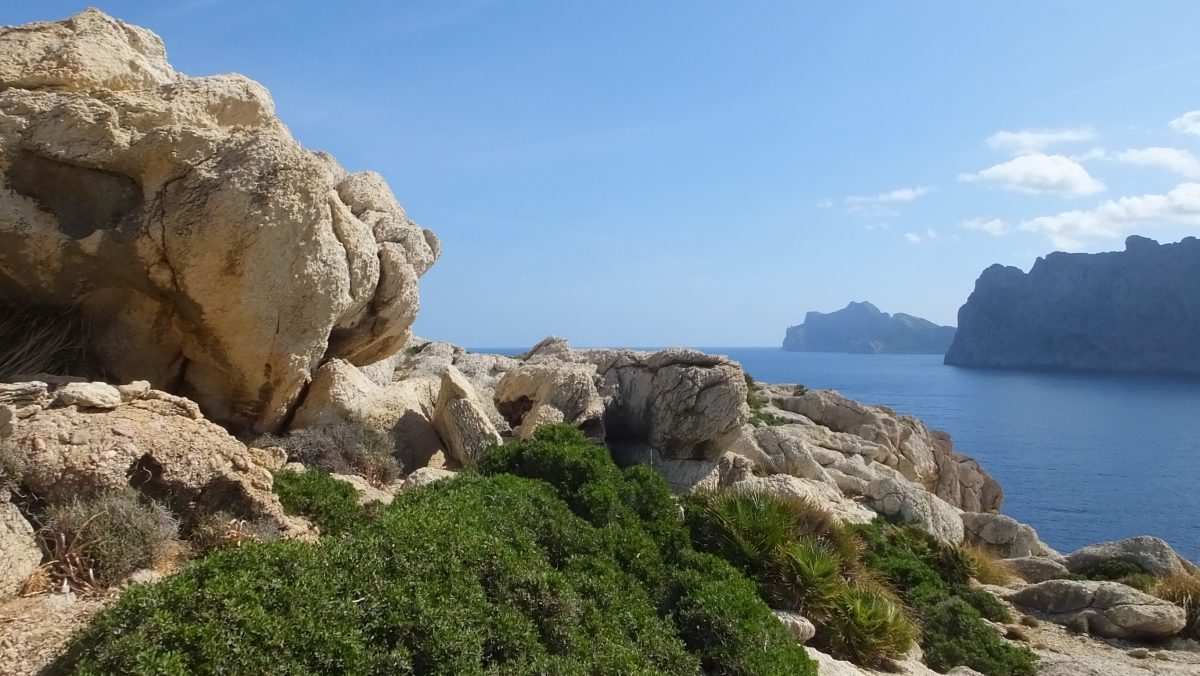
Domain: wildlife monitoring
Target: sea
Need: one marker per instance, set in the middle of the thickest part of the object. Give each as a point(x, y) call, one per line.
point(1083, 458)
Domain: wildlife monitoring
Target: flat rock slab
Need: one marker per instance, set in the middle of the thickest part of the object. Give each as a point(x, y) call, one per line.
point(1107, 609)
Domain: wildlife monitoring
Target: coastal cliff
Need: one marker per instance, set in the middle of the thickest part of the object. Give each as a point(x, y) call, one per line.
point(863, 328)
point(1136, 311)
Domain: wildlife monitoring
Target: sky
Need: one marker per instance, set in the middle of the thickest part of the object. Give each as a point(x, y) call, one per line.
point(701, 172)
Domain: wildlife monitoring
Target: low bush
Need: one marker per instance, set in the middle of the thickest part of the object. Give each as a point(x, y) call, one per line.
point(499, 571)
point(933, 579)
point(99, 540)
point(327, 502)
point(1112, 569)
point(341, 448)
point(223, 529)
point(12, 467)
point(763, 418)
point(806, 577)
point(868, 626)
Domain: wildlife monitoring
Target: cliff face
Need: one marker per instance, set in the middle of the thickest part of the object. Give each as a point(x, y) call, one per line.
point(1131, 311)
point(862, 327)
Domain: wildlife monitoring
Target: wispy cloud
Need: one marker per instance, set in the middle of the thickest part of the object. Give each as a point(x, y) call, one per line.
point(1029, 141)
point(1172, 159)
point(1111, 219)
point(930, 235)
point(1051, 174)
point(992, 226)
point(1188, 123)
point(882, 204)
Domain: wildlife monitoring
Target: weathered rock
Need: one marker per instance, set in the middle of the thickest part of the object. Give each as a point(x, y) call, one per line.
point(368, 493)
point(1107, 609)
point(907, 503)
point(207, 249)
point(1003, 536)
point(1036, 568)
point(1131, 311)
point(484, 371)
point(1152, 554)
point(460, 420)
point(905, 444)
point(823, 495)
point(425, 476)
point(20, 554)
point(797, 625)
point(544, 392)
point(24, 394)
point(89, 395)
point(155, 444)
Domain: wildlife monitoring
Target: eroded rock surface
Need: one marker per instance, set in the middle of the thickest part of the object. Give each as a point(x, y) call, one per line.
point(211, 254)
point(1151, 554)
point(1107, 609)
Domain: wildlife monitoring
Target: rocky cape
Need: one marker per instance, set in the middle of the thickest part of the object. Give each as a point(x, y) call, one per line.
point(1136, 311)
point(863, 328)
point(254, 285)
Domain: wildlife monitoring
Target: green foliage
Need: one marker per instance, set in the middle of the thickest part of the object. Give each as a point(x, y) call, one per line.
point(341, 448)
point(1112, 569)
point(807, 577)
point(799, 391)
point(101, 539)
point(868, 626)
point(329, 503)
point(933, 578)
point(763, 418)
point(571, 567)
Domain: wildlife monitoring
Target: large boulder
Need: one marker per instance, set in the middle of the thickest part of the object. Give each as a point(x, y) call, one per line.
point(208, 252)
point(159, 444)
point(1107, 609)
point(904, 443)
point(1003, 536)
point(1036, 568)
point(902, 501)
point(1152, 554)
point(535, 394)
point(462, 423)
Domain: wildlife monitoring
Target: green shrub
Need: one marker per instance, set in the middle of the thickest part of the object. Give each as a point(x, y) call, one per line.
point(1112, 569)
point(327, 502)
point(933, 578)
point(745, 528)
point(806, 577)
point(486, 573)
point(99, 540)
point(762, 418)
point(341, 448)
point(866, 626)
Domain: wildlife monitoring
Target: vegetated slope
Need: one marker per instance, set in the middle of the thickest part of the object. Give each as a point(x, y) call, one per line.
point(1131, 311)
point(862, 327)
point(572, 566)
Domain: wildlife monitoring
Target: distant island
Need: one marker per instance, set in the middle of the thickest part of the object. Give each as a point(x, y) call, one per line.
point(863, 328)
point(1136, 311)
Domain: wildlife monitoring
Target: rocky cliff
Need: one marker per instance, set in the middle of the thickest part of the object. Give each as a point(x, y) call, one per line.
point(1131, 311)
point(862, 327)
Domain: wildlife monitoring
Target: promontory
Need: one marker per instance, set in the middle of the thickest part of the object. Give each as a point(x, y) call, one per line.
point(864, 328)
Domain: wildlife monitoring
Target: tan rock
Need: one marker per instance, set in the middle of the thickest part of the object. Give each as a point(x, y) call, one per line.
point(461, 421)
point(425, 476)
point(909, 503)
point(20, 554)
point(89, 395)
point(546, 391)
point(207, 249)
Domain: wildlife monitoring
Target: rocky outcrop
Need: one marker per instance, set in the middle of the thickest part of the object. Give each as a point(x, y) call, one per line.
point(1131, 311)
point(1107, 609)
point(1151, 554)
point(20, 554)
point(208, 252)
point(901, 501)
point(862, 327)
point(1036, 568)
point(905, 444)
point(1003, 536)
point(157, 443)
point(460, 420)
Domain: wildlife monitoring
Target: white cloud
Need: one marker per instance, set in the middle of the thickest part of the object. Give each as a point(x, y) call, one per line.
point(930, 235)
point(878, 205)
point(913, 238)
point(1173, 159)
point(1116, 218)
point(1039, 174)
point(824, 203)
point(882, 225)
point(994, 226)
point(1093, 154)
point(1188, 123)
point(1029, 141)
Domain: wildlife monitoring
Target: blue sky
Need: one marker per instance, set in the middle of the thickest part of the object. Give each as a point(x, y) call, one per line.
point(704, 173)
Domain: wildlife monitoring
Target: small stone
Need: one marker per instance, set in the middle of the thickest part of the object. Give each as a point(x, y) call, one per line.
point(88, 395)
point(1139, 653)
point(79, 437)
point(133, 391)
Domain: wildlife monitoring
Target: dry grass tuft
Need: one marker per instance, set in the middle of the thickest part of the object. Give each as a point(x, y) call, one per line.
point(43, 340)
point(988, 568)
point(1182, 589)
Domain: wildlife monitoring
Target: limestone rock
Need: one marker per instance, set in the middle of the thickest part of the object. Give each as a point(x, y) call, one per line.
point(20, 554)
point(1107, 609)
point(905, 502)
point(154, 444)
point(904, 443)
point(207, 249)
point(460, 420)
point(366, 492)
point(89, 395)
point(425, 476)
point(820, 494)
point(1131, 311)
point(484, 372)
point(1153, 554)
point(797, 625)
point(543, 392)
point(1036, 568)
point(1003, 536)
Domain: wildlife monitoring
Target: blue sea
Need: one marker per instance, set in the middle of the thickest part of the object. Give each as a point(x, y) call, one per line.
point(1082, 457)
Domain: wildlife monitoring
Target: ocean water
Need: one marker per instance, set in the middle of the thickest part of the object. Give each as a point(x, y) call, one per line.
point(1082, 457)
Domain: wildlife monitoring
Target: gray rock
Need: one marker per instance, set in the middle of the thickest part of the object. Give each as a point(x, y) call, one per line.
point(862, 327)
point(1152, 554)
point(1036, 568)
point(1131, 311)
point(1106, 609)
point(1003, 535)
point(89, 395)
point(797, 625)
point(910, 504)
